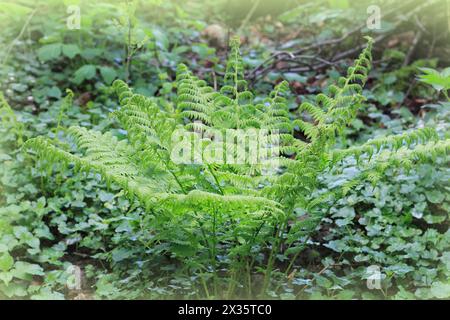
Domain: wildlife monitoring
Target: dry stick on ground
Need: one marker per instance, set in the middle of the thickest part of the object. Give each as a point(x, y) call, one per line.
point(381, 37)
point(318, 45)
point(414, 45)
point(412, 49)
point(259, 71)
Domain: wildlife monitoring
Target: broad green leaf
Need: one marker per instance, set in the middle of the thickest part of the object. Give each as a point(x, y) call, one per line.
point(345, 294)
point(323, 282)
point(439, 80)
point(70, 50)
point(6, 261)
point(6, 277)
point(86, 72)
point(440, 290)
point(23, 270)
point(108, 74)
point(91, 53)
point(14, 290)
point(292, 76)
point(432, 219)
point(54, 92)
point(49, 52)
point(161, 39)
point(120, 254)
point(47, 294)
point(435, 196)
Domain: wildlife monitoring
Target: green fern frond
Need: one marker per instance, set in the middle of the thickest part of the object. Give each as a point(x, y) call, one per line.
point(8, 120)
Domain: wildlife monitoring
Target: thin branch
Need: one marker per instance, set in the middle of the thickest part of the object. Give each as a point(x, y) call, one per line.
point(11, 45)
point(412, 48)
point(292, 57)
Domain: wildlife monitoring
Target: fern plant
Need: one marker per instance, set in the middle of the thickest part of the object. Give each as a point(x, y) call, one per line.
point(9, 121)
point(234, 207)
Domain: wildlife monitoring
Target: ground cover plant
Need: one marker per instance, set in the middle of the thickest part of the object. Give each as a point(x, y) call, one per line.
point(96, 202)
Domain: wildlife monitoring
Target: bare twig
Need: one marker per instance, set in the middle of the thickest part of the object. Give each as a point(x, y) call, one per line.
point(249, 15)
point(292, 58)
point(412, 48)
point(213, 73)
point(11, 45)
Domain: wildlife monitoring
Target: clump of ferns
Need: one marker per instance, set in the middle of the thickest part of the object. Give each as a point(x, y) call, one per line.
point(236, 211)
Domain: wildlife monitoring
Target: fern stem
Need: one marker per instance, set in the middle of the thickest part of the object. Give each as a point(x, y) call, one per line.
point(270, 262)
point(249, 265)
point(211, 170)
point(205, 287)
point(446, 94)
point(214, 245)
point(128, 49)
point(177, 180)
point(172, 173)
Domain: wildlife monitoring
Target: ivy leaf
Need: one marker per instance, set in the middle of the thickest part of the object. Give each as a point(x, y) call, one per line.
point(120, 254)
point(161, 40)
point(346, 212)
point(390, 79)
point(3, 248)
point(91, 53)
point(435, 196)
point(14, 290)
point(183, 250)
point(6, 277)
point(47, 294)
point(402, 294)
point(70, 50)
point(105, 287)
point(323, 282)
point(446, 259)
point(440, 290)
point(6, 262)
point(292, 76)
point(336, 245)
point(54, 92)
point(49, 52)
point(86, 72)
point(105, 196)
point(108, 74)
point(418, 209)
point(22, 233)
point(345, 294)
point(433, 219)
point(23, 270)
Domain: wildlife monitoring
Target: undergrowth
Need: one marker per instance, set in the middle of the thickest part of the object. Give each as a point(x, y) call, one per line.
point(232, 230)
